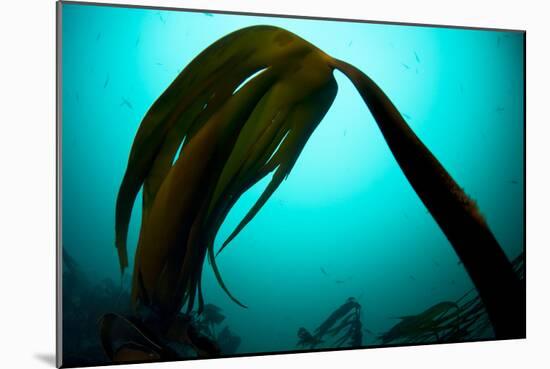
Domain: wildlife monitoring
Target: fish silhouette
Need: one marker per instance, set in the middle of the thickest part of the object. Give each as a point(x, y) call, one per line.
point(127, 104)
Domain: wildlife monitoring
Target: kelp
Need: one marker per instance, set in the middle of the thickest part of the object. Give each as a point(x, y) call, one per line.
point(306, 339)
point(465, 319)
point(426, 325)
point(210, 317)
point(208, 323)
point(342, 327)
point(212, 314)
point(228, 341)
point(233, 132)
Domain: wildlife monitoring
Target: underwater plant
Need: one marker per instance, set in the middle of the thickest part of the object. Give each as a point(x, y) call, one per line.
point(242, 109)
point(465, 319)
point(207, 323)
point(343, 324)
point(210, 317)
point(306, 339)
point(228, 341)
point(425, 326)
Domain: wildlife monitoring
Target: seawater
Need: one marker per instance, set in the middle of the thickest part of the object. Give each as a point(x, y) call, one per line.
point(345, 222)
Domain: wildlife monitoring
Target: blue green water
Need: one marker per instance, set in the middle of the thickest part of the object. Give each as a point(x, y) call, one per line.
point(346, 208)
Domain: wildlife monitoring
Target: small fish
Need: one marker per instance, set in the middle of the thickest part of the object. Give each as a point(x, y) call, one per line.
point(513, 181)
point(405, 66)
point(339, 281)
point(161, 18)
point(416, 69)
point(499, 109)
point(137, 40)
point(98, 36)
point(461, 88)
point(459, 262)
point(417, 58)
point(324, 271)
point(127, 104)
point(208, 14)
point(106, 81)
point(77, 98)
point(436, 263)
point(159, 64)
point(345, 132)
point(350, 43)
point(406, 116)
point(412, 278)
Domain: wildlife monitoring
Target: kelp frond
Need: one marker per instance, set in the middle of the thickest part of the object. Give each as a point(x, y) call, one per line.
point(342, 326)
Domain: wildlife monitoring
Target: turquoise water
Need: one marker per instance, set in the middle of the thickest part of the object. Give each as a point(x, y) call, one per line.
point(346, 207)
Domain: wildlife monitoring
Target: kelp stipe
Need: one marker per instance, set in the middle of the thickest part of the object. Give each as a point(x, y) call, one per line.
point(231, 136)
point(457, 215)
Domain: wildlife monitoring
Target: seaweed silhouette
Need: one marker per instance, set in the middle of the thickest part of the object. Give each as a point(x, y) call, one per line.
point(462, 320)
point(242, 109)
point(208, 321)
point(343, 326)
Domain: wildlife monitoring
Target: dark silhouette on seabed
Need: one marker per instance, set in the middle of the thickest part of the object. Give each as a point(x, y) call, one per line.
point(233, 131)
point(343, 327)
point(88, 304)
point(448, 321)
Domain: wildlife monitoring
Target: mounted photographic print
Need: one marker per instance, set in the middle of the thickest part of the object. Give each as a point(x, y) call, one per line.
point(240, 184)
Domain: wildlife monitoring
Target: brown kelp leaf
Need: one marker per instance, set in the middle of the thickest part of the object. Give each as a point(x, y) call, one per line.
point(301, 121)
point(171, 269)
point(279, 155)
point(186, 104)
point(180, 196)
